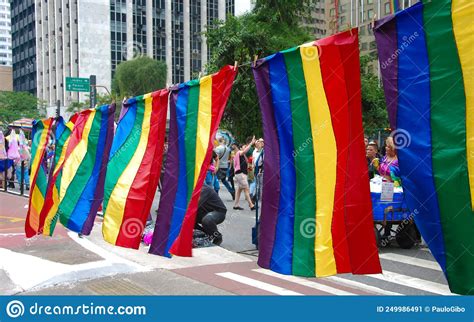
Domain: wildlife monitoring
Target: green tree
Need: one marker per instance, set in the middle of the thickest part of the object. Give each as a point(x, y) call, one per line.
point(139, 76)
point(15, 105)
point(272, 26)
point(374, 112)
point(101, 99)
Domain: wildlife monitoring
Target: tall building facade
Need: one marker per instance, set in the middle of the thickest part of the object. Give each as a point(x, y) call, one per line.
point(332, 16)
point(5, 34)
point(55, 39)
point(23, 32)
point(168, 30)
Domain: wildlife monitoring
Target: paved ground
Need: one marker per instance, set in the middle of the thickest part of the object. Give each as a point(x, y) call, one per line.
point(66, 264)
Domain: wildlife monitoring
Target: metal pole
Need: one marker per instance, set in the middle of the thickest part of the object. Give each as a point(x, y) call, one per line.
point(22, 178)
point(93, 90)
point(5, 172)
point(58, 108)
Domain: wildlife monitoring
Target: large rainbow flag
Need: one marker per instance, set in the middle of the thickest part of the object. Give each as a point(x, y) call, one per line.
point(49, 215)
point(427, 67)
point(316, 209)
point(134, 168)
point(83, 169)
point(196, 108)
point(42, 135)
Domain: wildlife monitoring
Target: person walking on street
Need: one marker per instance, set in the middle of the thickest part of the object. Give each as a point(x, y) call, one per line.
point(240, 168)
point(223, 153)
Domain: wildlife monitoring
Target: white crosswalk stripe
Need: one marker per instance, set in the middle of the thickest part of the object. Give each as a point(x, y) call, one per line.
point(387, 283)
point(413, 282)
point(361, 286)
point(304, 282)
point(258, 284)
point(411, 261)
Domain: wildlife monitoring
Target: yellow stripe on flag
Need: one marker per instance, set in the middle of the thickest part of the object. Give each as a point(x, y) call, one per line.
point(75, 158)
point(204, 124)
point(325, 158)
point(113, 216)
point(37, 199)
point(462, 15)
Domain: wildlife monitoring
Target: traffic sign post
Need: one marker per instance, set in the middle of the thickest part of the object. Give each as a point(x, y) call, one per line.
point(77, 84)
point(92, 91)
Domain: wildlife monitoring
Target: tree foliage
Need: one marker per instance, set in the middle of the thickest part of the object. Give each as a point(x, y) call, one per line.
point(374, 110)
point(272, 26)
point(101, 99)
point(139, 76)
point(16, 105)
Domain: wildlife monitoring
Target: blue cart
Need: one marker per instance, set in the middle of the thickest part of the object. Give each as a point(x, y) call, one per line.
point(393, 220)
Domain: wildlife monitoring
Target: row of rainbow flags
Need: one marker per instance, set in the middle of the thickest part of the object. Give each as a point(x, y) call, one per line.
point(316, 216)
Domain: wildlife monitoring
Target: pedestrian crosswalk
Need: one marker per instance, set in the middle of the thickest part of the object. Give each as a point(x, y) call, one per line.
point(402, 275)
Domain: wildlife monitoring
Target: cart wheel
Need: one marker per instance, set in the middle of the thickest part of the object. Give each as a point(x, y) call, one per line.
point(378, 237)
point(407, 237)
point(381, 240)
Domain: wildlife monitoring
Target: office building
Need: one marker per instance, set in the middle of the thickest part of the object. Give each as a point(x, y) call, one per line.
point(5, 34)
point(56, 39)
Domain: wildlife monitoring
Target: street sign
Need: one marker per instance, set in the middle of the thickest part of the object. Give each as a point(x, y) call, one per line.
point(77, 84)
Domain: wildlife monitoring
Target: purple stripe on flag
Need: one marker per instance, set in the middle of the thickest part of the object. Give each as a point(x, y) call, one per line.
point(271, 177)
point(99, 192)
point(170, 185)
point(387, 47)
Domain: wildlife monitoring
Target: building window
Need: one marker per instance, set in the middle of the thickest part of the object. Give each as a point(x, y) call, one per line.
point(387, 8)
point(370, 14)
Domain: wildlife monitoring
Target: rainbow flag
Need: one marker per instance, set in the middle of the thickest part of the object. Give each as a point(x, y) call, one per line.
point(49, 215)
point(394, 6)
point(427, 67)
point(316, 215)
point(42, 135)
point(83, 169)
point(196, 108)
point(134, 168)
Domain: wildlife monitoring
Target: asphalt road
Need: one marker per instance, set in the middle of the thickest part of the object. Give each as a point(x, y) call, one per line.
point(66, 264)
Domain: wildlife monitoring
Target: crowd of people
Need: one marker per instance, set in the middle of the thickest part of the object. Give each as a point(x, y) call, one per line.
point(240, 168)
point(15, 158)
point(386, 165)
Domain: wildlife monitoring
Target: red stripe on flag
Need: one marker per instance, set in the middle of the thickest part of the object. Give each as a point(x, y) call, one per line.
point(333, 80)
point(221, 86)
point(142, 190)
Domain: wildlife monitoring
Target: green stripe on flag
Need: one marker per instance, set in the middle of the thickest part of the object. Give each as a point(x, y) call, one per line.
point(124, 154)
point(83, 173)
point(448, 131)
point(190, 133)
point(305, 198)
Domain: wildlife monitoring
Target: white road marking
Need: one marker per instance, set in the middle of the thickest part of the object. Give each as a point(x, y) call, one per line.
point(411, 261)
point(413, 282)
point(258, 284)
point(359, 285)
point(304, 282)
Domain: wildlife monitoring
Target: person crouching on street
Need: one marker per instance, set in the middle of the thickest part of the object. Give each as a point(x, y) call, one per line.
point(211, 212)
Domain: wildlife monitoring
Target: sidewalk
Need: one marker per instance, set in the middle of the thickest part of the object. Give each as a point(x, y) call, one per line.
point(67, 264)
